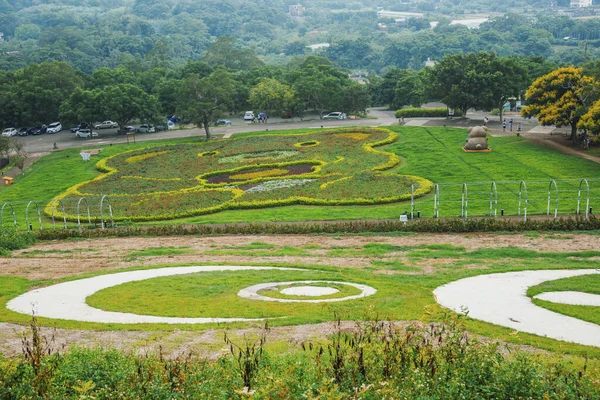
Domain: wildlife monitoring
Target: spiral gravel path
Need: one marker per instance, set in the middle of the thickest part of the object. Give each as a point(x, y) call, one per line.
point(501, 299)
point(67, 300)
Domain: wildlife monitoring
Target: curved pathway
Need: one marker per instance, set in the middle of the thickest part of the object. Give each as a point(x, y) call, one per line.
point(501, 299)
point(67, 300)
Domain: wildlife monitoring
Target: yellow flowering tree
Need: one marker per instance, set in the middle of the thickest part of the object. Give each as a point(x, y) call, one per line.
point(560, 98)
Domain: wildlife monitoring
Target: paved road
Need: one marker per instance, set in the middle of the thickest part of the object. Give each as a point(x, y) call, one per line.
point(66, 139)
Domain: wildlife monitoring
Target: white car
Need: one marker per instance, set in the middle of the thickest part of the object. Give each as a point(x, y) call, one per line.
point(106, 125)
point(146, 129)
point(9, 132)
point(86, 133)
point(54, 127)
point(335, 115)
point(249, 116)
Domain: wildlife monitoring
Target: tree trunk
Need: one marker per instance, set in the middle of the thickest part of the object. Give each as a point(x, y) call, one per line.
point(206, 125)
point(573, 132)
point(501, 109)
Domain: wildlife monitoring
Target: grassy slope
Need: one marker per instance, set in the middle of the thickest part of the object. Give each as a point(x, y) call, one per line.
point(434, 153)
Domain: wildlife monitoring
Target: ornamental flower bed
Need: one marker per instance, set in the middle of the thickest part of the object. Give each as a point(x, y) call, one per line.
point(332, 167)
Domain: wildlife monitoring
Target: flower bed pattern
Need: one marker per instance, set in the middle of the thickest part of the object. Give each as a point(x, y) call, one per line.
point(337, 167)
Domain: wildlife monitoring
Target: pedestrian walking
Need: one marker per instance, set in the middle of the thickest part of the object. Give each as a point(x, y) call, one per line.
point(510, 124)
point(485, 121)
point(504, 125)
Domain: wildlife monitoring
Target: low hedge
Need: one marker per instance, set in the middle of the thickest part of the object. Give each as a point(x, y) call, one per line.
point(453, 225)
point(413, 112)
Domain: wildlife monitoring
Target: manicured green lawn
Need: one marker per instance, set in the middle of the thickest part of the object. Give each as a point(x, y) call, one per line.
point(433, 153)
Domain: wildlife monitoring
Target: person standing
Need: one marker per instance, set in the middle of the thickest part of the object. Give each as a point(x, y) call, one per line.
point(485, 121)
point(504, 125)
point(510, 124)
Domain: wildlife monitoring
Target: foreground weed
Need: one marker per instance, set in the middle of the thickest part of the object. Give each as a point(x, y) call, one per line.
point(248, 356)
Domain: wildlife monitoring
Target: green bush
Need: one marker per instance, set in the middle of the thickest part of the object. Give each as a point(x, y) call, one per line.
point(11, 239)
point(425, 112)
point(375, 360)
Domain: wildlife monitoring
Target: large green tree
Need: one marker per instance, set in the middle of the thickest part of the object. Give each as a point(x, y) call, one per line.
point(204, 100)
point(476, 80)
point(125, 102)
point(271, 95)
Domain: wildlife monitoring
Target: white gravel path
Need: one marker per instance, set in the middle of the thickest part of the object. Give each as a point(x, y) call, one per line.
point(501, 299)
point(252, 292)
point(67, 300)
point(572, 298)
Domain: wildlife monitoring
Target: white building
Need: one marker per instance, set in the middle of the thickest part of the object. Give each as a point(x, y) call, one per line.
point(581, 3)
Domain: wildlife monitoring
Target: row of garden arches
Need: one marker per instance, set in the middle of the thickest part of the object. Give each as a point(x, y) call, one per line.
point(81, 210)
point(521, 198)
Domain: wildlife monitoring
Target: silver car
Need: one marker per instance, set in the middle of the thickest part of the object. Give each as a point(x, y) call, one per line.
point(335, 115)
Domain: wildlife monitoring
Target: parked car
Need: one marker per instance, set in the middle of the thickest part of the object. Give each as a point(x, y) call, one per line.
point(225, 122)
point(286, 114)
point(335, 115)
point(249, 116)
point(54, 127)
point(31, 131)
point(82, 125)
point(128, 129)
point(86, 133)
point(39, 130)
point(170, 125)
point(23, 131)
point(9, 132)
point(146, 129)
point(106, 125)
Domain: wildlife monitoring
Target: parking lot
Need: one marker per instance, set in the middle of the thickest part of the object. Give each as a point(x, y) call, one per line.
point(66, 139)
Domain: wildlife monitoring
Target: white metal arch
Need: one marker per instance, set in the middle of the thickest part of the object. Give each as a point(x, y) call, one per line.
point(552, 183)
point(13, 214)
point(587, 202)
point(79, 215)
point(436, 201)
point(63, 213)
point(464, 201)
point(493, 199)
point(523, 187)
point(112, 223)
point(38, 213)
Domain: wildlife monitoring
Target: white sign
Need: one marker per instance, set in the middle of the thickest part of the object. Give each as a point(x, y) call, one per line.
point(404, 218)
point(85, 156)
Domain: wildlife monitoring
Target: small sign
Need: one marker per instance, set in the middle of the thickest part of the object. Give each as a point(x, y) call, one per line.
point(404, 218)
point(451, 111)
point(85, 156)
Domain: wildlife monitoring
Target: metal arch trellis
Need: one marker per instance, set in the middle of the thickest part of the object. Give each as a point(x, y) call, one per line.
point(587, 204)
point(27, 214)
point(63, 213)
point(493, 199)
point(523, 186)
point(436, 201)
point(464, 201)
point(2, 215)
point(412, 201)
point(553, 183)
point(88, 212)
point(112, 222)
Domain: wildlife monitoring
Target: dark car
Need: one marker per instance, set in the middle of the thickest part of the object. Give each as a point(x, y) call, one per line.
point(286, 114)
point(128, 129)
point(76, 128)
point(39, 130)
point(23, 131)
point(31, 131)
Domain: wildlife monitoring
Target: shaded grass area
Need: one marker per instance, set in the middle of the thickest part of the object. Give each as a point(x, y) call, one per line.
point(585, 283)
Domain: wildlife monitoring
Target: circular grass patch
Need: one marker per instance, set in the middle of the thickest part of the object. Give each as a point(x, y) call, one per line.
point(342, 291)
point(215, 295)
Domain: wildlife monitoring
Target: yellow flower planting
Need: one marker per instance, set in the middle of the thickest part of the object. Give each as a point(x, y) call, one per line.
point(143, 157)
point(259, 174)
point(353, 136)
point(310, 143)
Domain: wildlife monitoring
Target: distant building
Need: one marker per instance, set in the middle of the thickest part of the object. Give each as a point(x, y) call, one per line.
point(581, 3)
point(1, 37)
point(429, 62)
point(318, 46)
point(296, 10)
point(382, 27)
